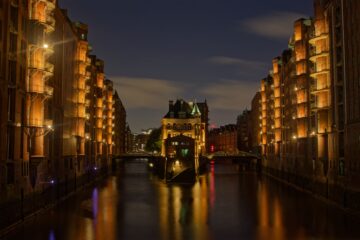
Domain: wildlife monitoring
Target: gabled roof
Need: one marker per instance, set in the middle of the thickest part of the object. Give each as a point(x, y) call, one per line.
point(180, 107)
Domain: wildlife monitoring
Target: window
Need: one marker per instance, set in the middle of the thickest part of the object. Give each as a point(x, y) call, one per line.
point(23, 117)
point(341, 145)
point(11, 104)
point(184, 152)
point(10, 173)
point(23, 50)
point(24, 169)
point(12, 73)
point(14, 17)
point(23, 24)
point(10, 143)
point(1, 33)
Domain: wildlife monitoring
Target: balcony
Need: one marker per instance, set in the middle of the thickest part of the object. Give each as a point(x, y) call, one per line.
point(318, 89)
point(49, 67)
point(80, 114)
point(314, 54)
point(36, 88)
point(48, 24)
point(48, 90)
point(316, 37)
point(88, 75)
point(35, 122)
point(48, 123)
point(80, 101)
point(315, 107)
point(48, 50)
point(88, 61)
point(51, 4)
point(315, 72)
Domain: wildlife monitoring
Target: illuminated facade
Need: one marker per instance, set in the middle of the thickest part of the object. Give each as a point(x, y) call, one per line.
point(14, 99)
point(309, 105)
point(185, 118)
point(57, 111)
point(82, 62)
point(98, 77)
point(108, 122)
point(224, 139)
point(26, 82)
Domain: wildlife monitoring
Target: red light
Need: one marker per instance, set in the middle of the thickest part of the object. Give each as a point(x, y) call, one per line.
point(212, 148)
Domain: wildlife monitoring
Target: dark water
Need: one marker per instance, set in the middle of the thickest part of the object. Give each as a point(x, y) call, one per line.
point(222, 205)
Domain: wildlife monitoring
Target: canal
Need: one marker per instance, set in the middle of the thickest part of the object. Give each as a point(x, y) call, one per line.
point(223, 204)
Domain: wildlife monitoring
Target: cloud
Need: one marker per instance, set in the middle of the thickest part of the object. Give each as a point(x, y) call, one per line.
point(146, 92)
point(276, 25)
point(230, 95)
point(230, 61)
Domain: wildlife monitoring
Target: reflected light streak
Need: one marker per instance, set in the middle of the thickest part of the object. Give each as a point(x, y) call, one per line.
point(95, 203)
point(177, 196)
point(212, 184)
point(89, 231)
point(263, 207)
point(52, 235)
point(164, 211)
point(278, 221)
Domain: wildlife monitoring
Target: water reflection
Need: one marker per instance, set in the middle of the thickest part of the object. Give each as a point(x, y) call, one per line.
point(184, 210)
point(223, 204)
point(95, 203)
point(52, 235)
point(270, 215)
point(100, 213)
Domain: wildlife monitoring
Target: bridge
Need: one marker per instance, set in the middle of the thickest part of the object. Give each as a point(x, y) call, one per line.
point(136, 155)
point(245, 160)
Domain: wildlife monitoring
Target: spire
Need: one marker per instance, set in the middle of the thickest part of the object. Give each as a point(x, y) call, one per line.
point(195, 111)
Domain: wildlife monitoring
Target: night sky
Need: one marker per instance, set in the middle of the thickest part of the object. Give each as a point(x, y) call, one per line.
point(156, 50)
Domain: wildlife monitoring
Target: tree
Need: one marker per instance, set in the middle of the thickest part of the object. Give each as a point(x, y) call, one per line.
point(154, 141)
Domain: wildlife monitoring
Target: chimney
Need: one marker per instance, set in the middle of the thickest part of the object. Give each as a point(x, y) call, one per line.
point(171, 106)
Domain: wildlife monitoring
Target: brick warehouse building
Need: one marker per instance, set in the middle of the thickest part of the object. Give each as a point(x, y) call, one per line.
point(309, 106)
point(57, 110)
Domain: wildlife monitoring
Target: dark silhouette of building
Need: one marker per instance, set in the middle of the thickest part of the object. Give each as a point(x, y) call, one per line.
point(244, 125)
